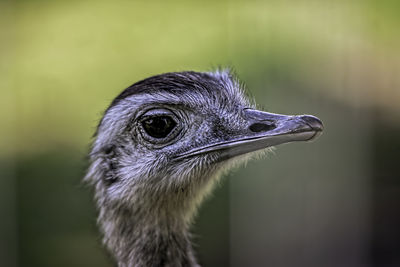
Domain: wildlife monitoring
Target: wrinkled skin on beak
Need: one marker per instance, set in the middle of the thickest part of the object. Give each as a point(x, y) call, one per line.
point(263, 130)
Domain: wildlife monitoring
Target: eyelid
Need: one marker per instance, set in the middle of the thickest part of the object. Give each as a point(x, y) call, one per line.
point(156, 112)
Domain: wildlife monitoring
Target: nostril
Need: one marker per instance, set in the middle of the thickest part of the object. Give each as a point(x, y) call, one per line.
point(261, 127)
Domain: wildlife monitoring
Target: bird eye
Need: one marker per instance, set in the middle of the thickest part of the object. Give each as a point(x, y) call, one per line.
point(158, 126)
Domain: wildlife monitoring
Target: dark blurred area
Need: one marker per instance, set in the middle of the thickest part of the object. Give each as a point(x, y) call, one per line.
point(333, 202)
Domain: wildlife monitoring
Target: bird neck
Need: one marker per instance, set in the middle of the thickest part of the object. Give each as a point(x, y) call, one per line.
point(151, 226)
point(137, 238)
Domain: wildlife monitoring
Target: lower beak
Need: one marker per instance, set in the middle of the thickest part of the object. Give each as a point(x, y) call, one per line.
point(263, 129)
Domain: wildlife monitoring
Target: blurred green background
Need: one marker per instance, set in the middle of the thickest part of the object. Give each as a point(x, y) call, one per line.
point(334, 202)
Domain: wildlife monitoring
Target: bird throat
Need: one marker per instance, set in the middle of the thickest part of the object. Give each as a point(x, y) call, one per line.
point(152, 228)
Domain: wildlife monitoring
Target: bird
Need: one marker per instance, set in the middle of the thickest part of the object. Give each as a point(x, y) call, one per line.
point(160, 148)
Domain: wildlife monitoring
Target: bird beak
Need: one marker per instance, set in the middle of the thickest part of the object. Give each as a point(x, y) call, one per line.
point(262, 130)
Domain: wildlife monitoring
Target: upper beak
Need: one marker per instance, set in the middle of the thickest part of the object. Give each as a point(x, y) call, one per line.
point(262, 130)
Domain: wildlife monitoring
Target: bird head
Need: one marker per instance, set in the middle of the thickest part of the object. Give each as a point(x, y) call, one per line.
point(163, 141)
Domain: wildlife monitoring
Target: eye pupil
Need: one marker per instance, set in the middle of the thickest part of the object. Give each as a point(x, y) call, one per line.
point(159, 127)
